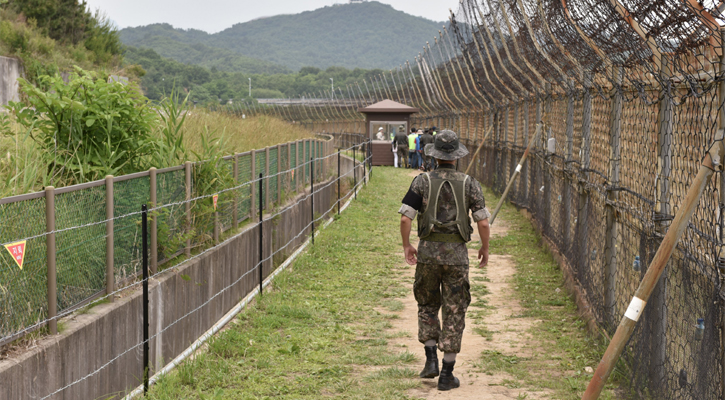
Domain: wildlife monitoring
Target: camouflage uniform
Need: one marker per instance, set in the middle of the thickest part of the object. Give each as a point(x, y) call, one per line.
point(402, 140)
point(441, 276)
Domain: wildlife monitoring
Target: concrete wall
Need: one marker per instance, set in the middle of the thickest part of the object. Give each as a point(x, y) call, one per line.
point(10, 70)
point(106, 341)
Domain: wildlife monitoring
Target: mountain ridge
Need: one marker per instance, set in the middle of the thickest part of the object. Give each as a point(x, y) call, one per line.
point(364, 35)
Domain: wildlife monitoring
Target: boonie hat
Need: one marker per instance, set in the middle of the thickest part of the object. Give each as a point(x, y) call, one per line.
point(446, 147)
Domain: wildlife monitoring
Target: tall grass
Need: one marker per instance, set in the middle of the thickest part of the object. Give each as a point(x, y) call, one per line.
point(22, 169)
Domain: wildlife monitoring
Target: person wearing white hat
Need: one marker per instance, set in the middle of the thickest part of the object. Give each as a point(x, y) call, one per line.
point(380, 135)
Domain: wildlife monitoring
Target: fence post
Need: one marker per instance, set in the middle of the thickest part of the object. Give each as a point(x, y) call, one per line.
point(279, 174)
point(546, 171)
point(187, 206)
point(505, 153)
point(610, 249)
point(568, 182)
point(288, 180)
point(721, 250)
point(261, 236)
point(253, 187)
point(525, 171)
point(658, 312)
point(50, 259)
point(583, 211)
point(110, 279)
point(145, 296)
point(235, 211)
point(154, 227)
point(267, 198)
point(312, 200)
point(338, 180)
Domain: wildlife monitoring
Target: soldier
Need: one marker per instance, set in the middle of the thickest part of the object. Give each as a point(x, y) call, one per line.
point(401, 139)
point(426, 139)
point(442, 199)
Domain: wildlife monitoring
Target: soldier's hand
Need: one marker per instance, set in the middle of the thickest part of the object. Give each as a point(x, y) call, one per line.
point(411, 255)
point(482, 257)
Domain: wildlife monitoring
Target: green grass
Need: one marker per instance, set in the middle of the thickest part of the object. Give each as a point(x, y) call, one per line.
point(561, 347)
point(317, 334)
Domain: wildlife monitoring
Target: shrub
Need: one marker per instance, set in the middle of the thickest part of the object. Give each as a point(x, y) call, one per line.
point(87, 128)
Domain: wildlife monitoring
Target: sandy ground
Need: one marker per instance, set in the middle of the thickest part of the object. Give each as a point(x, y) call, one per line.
point(510, 335)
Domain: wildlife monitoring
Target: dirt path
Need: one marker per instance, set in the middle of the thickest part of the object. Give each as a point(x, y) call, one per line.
point(503, 333)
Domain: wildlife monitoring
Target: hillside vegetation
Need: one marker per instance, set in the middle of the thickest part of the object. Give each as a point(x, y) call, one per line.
point(207, 86)
point(365, 35)
point(52, 36)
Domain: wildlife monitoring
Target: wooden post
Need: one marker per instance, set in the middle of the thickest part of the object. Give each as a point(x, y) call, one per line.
point(110, 277)
point(253, 185)
point(153, 235)
point(610, 245)
point(50, 259)
point(187, 205)
point(235, 201)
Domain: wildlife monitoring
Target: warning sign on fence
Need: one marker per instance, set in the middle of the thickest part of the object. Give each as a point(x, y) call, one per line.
point(216, 198)
point(17, 251)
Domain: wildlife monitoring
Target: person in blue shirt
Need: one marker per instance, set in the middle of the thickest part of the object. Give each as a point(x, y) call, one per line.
point(418, 151)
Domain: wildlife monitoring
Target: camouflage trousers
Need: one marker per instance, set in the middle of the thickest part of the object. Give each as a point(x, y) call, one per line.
point(446, 287)
point(403, 156)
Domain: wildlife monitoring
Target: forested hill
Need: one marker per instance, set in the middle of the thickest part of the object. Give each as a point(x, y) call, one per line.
point(363, 35)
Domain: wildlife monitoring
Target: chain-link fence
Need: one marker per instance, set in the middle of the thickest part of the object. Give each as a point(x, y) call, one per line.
point(629, 98)
point(96, 233)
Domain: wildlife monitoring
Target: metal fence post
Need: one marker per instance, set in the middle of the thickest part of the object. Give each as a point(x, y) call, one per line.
point(300, 173)
point(110, 278)
point(50, 259)
point(354, 171)
point(568, 182)
point(261, 236)
point(658, 310)
point(338, 180)
point(267, 198)
point(235, 204)
point(546, 171)
point(582, 228)
point(145, 296)
point(312, 200)
point(288, 180)
point(253, 187)
point(187, 206)
point(154, 227)
point(279, 174)
point(610, 250)
point(525, 171)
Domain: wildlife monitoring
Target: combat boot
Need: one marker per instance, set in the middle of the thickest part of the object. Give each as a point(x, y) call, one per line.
point(431, 363)
point(447, 381)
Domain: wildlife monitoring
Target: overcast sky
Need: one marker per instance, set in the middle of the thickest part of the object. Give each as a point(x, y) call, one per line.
point(216, 15)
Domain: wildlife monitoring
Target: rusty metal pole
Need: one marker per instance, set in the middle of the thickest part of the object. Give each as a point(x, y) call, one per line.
point(50, 259)
point(515, 174)
point(153, 235)
point(711, 162)
point(470, 164)
point(235, 203)
point(110, 279)
point(187, 207)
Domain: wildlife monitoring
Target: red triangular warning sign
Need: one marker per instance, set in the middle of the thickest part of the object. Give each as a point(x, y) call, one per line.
point(216, 198)
point(17, 251)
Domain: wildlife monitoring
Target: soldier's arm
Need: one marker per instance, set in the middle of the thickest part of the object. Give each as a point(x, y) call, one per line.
point(480, 215)
point(412, 202)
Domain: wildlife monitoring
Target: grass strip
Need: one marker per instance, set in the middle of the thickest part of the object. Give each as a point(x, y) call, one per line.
point(317, 333)
point(561, 346)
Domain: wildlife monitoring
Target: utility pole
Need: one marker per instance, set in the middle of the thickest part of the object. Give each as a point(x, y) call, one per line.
point(332, 88)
